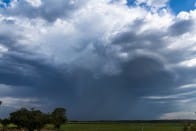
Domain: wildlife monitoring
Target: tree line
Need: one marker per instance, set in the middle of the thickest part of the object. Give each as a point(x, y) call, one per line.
point(33, 119)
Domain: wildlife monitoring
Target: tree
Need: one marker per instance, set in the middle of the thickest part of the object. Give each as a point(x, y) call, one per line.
point(5, 122)
point(58, 117)
point(30, 119)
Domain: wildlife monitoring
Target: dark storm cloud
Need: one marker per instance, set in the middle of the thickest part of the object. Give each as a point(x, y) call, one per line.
point(147, 40)
point(17, 71)
point(117, 96)
point(180, 27)
point(102, 97)
point(9, 41)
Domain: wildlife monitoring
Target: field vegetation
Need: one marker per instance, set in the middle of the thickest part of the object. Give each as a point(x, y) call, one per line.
point(36, 120)
point(122, 127)
point(112, 126)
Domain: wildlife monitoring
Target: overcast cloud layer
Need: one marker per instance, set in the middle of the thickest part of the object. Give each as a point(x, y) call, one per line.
point(101, 59)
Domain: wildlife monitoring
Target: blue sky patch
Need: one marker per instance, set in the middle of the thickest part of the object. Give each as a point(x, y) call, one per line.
point(130, 2)
point(176, 5)
point(182, 5)
point(4, 3)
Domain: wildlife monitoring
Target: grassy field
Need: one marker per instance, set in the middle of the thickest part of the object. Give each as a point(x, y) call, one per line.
point(109, 126)
point(121, 127)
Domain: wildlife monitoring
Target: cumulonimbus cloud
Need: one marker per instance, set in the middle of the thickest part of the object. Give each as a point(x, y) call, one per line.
point(87, 52)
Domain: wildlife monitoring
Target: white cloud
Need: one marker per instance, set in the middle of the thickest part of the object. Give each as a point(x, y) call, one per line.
point(173, 96)
point(63, 41)
point(189, 63)
point(123, 2)
point(153, 3)
point(35, 3)
point(187, 86)
point(3, 49)
point(14, 102)
point(178, 115)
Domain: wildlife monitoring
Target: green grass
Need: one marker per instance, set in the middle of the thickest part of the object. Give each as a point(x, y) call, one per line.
point(121, 127)
point(11, 125)
point(108, 126)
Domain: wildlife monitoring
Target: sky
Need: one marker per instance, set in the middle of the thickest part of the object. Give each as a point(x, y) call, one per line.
point(100, 59)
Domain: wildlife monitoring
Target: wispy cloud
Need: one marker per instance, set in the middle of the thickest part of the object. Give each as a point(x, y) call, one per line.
point(20, 102)
point(192, 85)
point(175, 96)
point(179, 115)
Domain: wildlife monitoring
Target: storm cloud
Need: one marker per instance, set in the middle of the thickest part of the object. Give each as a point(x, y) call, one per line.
point(101, 59)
